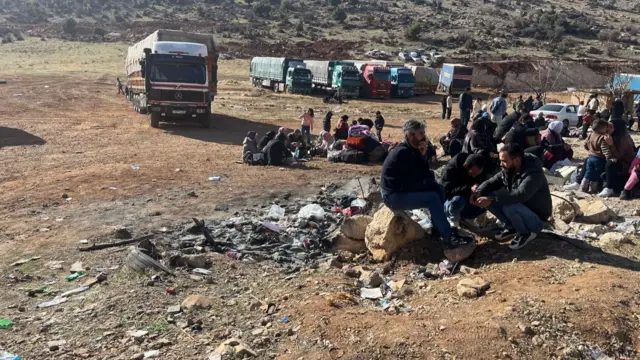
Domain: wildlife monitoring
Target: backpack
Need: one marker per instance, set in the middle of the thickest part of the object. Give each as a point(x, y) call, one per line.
point(353, 157)
point(358, 143)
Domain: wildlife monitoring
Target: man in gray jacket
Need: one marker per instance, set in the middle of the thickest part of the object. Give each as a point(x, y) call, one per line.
point(518, 196)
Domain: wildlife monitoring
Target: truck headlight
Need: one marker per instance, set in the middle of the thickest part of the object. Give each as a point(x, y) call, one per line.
point(201, 111)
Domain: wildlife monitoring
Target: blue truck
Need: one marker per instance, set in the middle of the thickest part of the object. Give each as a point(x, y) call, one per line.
point(402, 82)
point(455, 78)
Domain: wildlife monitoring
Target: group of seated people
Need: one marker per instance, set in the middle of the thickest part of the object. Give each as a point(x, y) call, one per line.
point(518, 195)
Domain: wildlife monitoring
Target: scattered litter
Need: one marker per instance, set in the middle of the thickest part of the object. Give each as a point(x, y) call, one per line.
point(271, 226)
point(215, 178)
point(5, 323)
point(285, 320)
point(171, 291)
point(275, 212)
point(75, 291)
point(74, 276)
point(59, 219)
point(44, 218)
point(397, 285)
point(163, 229)
point(44, 229)
point(359, 203)
point(202, 271)
point(113, 188)
point(135, 167)
point(152, 354)
point(423, 219)
point(468, 270)
point(84, 241)
point(311, 211)
point(385, 304)
point(8, 356)
point(234, 254)
point(25, 260)
point(374, 293)
point(54, 265)
point(54, 302)
point(77, 267)
point(332, 300)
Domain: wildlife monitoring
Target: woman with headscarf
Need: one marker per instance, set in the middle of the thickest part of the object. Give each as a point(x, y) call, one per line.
point(249, 147)
point(453, 140)
point(616, 168)
point(555, 149)
point(265, 140)
point(326, 123)
point(341, 132)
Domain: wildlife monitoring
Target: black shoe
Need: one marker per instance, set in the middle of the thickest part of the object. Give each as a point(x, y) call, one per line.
point(457, 240)
point(505, 234)
point(625, 195)
point(522, 240)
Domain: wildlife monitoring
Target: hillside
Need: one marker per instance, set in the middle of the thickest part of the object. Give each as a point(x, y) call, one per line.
point(473, 29)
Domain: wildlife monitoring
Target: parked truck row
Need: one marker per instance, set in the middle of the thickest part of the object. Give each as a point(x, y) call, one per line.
point(377, 79)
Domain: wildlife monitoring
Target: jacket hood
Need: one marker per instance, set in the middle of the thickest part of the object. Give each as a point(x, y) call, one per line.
point(531, 164)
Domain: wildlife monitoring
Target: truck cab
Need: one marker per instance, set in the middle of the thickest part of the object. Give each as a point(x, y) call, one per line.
point(376, 81)
point(176, 81)
point(298, 80)
point(402, 82)
point(346, 80)
point(455, 78)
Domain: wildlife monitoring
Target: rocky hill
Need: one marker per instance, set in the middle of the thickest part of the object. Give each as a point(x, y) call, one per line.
point(471, 29)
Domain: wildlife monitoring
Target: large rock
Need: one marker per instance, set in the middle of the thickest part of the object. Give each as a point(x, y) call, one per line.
point(460, 253)
point(355, 227)
point(564, 210)
point(594, 211)
point(613, 239)
point(233, 347)
point(196, 302)
point(472, 288)
point(390, 231)
point(341, 242)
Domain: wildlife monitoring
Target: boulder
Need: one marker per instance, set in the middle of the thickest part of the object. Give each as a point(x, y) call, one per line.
point(234, 347)
point(594, 211)
point(355, 227)
point(613, 239)
point(563, 210)
point(196, 302)
point(461, 252)
point(472, 288)
point(390, 231)
point(343, 243)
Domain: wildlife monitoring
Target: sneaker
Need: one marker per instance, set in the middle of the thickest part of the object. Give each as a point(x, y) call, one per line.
point(522, 240)
point(625, 195)
point(574, 186)
point(505, 234)
point(453, 222)
point(607, 192)
point(457, 240)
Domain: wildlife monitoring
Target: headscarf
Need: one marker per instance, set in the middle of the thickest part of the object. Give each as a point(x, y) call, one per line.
point(270, 135)
point(327, 140)
point(556, 127)
point(455, 122)
point(252, 135)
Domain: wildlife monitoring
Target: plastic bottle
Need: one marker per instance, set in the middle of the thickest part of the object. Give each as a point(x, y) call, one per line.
point(74, 276)
point(8, 356)
point(234, 254)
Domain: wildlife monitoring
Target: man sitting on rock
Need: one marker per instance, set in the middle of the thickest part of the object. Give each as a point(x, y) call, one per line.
point(518, 196)
point(462, 175)
point(407, 183)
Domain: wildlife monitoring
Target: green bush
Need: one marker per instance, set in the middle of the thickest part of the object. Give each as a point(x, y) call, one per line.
point(413, 31)
point(339, 14)
point(69, 26)
point(99, 32)
point(262, 8)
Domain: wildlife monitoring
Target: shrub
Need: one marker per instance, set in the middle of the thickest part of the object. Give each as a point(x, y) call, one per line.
point(69, 26)
point(339, 14)
point(7, 39)
point(99, 32)
point(262, 8)
point(413, 31)
point(334, 2)
point(286, 5)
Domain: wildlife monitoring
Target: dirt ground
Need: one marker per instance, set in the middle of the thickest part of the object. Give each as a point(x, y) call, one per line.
point(68, 146)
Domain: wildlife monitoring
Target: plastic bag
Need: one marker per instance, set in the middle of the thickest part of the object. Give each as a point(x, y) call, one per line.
point(359, 203)
point(311, 211)
point(275, 212)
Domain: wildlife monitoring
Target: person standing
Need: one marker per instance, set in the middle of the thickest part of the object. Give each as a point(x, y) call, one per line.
point(528, 105)
point(408, 183)
point(326, 123)
point(466, 105)
point(582, 111)
point(617, 109)
point(119, 86)
point(477, 106)
point(519, 104)
point(518, 196)
point(307, 125)
point(449, 105)
point(587, 120)
point(593, 103)
point(443, 102)
point(538, 103)
point(498, 108)
point(379, 125)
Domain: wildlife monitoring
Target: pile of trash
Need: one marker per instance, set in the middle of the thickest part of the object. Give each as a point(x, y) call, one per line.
point(291, 232)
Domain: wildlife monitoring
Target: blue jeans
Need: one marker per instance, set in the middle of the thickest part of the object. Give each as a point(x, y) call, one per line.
point(306, 134)
point(518, 217)
point(595, 167)
point(459, 208)
point(431, 200)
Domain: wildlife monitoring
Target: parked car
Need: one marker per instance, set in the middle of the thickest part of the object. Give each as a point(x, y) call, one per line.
point(567, 113)
point(404, 56)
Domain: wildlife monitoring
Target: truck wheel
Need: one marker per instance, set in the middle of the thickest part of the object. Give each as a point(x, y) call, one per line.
point(155, 120)
point(205, 121)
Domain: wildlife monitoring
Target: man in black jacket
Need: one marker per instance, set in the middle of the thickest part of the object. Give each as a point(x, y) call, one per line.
point(528, 105)
point(462, 175)
point(407, 183)
point(379, 124)
point(465, 105)
point(505, 125)
point(518, 196)
point(276, 152)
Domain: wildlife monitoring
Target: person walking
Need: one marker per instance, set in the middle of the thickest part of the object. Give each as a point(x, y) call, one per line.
point(443, 102)
point(519, 104)
point(497, 109)
point(326, 123)
point(465, 104)
point(449, 105)
point(307, 125)
point(582, 111)
point(379, 125)
point(119, 86)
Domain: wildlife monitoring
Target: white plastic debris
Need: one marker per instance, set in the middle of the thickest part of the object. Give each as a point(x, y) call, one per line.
point(311, 211)
point(271, 226)
point(201, 271)
point(359, 203)
point(75, 291)
point(374, 293)
point(152, 354)
point(275, 212)
point(54, 302)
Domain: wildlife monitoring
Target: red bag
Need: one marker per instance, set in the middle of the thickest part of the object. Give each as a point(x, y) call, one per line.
point(357, 143)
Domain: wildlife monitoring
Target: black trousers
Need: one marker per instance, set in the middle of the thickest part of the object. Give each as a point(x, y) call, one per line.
point(614, 176)
point(446, 112)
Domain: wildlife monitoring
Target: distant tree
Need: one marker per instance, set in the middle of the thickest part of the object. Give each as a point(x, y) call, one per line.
point(334, 2)
point(413, 31)
point(262, 9)
point(99, 32)
point(69, 26)
point(339, 14)
point(286, 5)
point(8, 38)
point(300, 27)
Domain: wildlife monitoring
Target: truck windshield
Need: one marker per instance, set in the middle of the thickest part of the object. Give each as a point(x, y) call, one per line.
point(382, 75)
point(302, 75)
point(405, 78)
point(179, 73)
point(350, 75)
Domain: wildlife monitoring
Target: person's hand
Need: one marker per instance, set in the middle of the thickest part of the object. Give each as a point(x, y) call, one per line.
point(483, 202)
point(474, 188)
point(608, 139)
point(422, 147)
point(614, 160)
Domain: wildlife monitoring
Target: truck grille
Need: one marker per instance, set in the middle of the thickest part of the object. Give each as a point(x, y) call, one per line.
point(180, 95)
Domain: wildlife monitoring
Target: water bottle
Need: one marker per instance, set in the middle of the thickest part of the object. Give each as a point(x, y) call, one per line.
point(8, 356)
point(234, 254)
